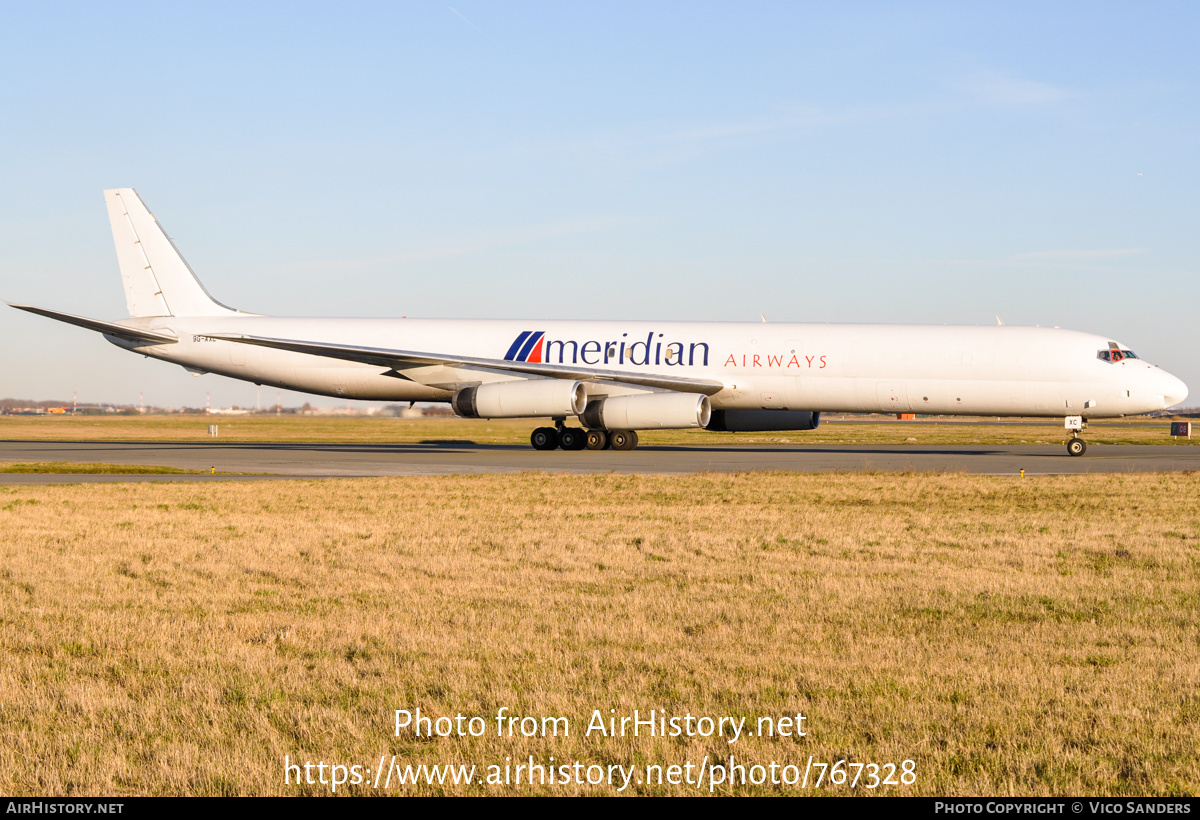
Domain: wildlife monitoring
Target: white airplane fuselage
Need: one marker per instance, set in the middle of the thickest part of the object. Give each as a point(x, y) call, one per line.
point(938, 369)
point(620, 376)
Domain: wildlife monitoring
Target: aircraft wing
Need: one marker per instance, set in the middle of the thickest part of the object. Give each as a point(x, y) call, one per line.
point(401, 359)
point(131, 334)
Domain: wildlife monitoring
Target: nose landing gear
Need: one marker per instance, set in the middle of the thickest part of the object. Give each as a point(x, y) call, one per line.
point(1075, 445)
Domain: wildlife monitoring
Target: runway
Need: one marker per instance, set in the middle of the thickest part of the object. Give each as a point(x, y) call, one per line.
point(274, 461)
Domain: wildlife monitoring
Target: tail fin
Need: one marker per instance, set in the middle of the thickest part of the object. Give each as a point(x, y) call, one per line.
point(158, 282)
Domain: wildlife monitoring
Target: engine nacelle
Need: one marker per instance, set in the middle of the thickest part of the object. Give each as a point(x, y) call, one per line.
point(648, 412)
point(761, 421)
point(520, 399)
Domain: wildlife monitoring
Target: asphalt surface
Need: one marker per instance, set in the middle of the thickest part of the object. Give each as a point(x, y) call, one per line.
point(446, 458)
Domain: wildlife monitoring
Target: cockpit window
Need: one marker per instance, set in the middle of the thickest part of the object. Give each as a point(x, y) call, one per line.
point(1115, 355)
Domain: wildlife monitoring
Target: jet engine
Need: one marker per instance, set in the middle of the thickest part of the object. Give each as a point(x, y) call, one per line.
point(520, 399)
point(761, 421)
point(648, 411)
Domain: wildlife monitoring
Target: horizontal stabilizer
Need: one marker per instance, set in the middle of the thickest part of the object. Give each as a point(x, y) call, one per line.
point(405, 358)
point(131, 334)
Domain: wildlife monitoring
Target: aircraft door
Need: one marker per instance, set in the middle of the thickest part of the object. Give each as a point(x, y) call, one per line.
point(792, 388)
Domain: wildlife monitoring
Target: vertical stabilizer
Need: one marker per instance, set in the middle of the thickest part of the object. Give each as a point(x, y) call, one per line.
point(158, 282)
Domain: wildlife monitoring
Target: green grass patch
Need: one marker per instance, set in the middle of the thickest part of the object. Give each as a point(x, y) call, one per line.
point(95, 468)
point(451, 431)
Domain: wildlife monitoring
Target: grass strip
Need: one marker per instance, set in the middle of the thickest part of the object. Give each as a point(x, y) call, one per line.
point(326, 429)
point(96, 468)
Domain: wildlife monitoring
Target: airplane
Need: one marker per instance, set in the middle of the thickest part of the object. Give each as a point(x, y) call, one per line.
point(618, 377)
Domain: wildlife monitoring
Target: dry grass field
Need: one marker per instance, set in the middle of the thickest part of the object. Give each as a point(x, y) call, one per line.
point(1031, 637)
point(410, 431)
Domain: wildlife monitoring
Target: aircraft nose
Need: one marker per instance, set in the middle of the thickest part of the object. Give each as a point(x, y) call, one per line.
point(1174, 391)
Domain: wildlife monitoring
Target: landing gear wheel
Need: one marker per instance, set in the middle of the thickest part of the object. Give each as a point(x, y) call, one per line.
point(1076, 447)
point(597, 439)
point(623, 439)
point(572, 438)
point(544, 438)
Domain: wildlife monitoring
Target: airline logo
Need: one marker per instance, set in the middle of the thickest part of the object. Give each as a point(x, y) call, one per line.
point(533, 346)
point(527, 347)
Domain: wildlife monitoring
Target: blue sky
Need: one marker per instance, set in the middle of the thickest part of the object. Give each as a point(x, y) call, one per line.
point(936, 163)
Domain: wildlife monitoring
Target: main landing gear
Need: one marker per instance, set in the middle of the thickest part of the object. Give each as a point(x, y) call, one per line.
point(1075, 445)
point(575, 438)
